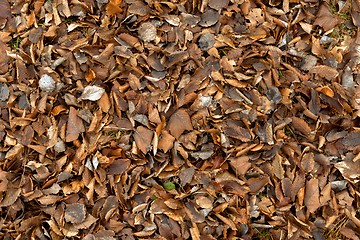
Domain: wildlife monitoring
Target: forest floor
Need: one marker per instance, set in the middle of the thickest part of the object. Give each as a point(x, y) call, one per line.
point(212, 119)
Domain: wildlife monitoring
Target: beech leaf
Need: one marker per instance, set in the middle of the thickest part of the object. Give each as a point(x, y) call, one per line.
point(92, 93)
point(179, 122)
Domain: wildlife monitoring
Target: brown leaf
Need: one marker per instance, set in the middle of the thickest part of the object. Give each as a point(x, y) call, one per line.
point(143, 137)
point(352, 139)
point(74, 127)
point(104, 103)
point(40, 149)
point(179, 122)
point(325, 18)
point(349, 169)
point(235, 188)
point(349, 233)
point(119, 166)
point(11, 195)
point(14, 151)
point(218, 4)
point(312, 196)
point(4, 57)
point(234, 131)
point(113, 7)
point(186, 175)
point(325, 72)
point(75, 213)
point(3, 181)
point(5, 9)
point(241, 164)
point(227, 221)
point(256, 184)
point(301, 126)
point(209, 18)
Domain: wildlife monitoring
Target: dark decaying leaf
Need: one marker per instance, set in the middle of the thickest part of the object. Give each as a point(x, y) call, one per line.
point(4, 92)
point(5, 11)
point(209, 18)
point(352, 139)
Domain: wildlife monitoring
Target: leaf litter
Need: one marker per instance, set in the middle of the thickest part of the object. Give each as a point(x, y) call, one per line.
point(179, 120)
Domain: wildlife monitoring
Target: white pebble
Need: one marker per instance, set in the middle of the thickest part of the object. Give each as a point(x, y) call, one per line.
point(47, 83)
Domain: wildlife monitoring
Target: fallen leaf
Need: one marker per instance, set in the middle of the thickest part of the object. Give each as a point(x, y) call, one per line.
point(119, 166)
point(143, 137)
point(301, 126)
point(75, 213)
point(312, 196)
point(169, 186)
point(11, 196)
point(3, 181)
point(349, 169)
point(92, 93)
point(166, 141)
point(241, 164)
point(325, 18)
point(179, 122)
point(74, 127)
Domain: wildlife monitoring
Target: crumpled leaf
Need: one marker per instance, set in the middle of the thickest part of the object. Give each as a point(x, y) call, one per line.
point(47, 83)
point(147, 32)
point(92, 93)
